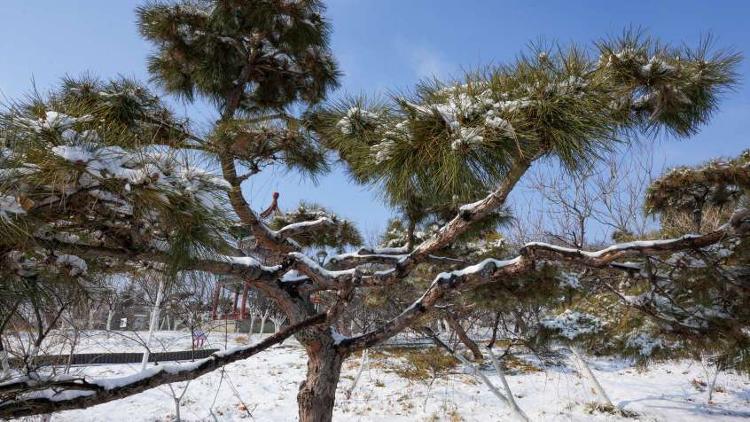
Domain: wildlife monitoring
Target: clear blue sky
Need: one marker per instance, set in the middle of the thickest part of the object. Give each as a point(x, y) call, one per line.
point(384, 45)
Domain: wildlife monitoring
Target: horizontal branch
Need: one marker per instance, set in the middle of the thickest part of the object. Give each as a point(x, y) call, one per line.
point(348, 260)
point(295, 229)
point(243, 266)
point(475, 275)
point(41, 397)
point(323, 277)
point(606, 257)
point(466, 217)
point(492, 270)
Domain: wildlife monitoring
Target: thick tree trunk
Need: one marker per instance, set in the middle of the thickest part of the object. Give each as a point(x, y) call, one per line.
point(317, 394)
point(463, 337)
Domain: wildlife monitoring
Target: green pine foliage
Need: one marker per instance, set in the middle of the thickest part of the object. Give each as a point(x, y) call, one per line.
point(275, 51)
point(94, 163)
point(448, 143)
point(258, 145)
point(342, 234)
point(703, 196)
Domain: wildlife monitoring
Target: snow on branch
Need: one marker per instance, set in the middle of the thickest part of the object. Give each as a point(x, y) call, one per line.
point(474, 275)
point(463, 221)
point(244, 266)
point(34, 397)
point(491, 270)
point(401, 250)
point(605, 257)
point(293, 229)
point(361, 257)
point(318, 274)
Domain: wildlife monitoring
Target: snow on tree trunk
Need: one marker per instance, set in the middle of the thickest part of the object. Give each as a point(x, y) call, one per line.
point(504, 381)
point(590, 374)
point(152, 324)
point(262, 325)
point(362, 366)
point(177, 416)
point(278, 321)
point(263, 319)
point(317, 394)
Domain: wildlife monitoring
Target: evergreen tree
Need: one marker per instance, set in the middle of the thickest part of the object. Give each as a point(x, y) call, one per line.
point(99, 177)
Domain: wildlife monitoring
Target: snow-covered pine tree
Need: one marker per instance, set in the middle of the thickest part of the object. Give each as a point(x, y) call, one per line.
point(105, 179)
point(698, 298)
point(691, 304)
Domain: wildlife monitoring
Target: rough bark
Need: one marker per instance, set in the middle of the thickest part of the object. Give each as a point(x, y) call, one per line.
point(317, 393)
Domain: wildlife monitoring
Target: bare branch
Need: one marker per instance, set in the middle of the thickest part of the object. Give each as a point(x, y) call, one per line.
point(40, 397)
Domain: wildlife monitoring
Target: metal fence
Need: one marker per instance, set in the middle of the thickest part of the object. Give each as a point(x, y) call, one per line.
point(114, 358)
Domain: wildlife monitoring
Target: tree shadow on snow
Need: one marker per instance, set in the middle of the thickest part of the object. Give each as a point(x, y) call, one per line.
point(701, 409)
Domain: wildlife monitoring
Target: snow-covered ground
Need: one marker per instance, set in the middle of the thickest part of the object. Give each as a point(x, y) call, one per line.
point(265, 386)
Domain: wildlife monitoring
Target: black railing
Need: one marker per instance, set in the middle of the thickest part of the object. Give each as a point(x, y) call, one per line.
point(114, 358)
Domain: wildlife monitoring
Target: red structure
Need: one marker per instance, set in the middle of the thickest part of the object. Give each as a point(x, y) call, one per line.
point(265, 256)
point(239, 307)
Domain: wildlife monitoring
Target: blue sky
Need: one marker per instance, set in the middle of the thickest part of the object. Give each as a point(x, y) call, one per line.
point(384, 45)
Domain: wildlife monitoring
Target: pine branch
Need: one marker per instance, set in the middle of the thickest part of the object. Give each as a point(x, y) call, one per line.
point(491, 270)
point(93, 392)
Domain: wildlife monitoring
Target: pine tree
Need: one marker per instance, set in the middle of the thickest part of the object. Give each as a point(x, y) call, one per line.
point(100, 177)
